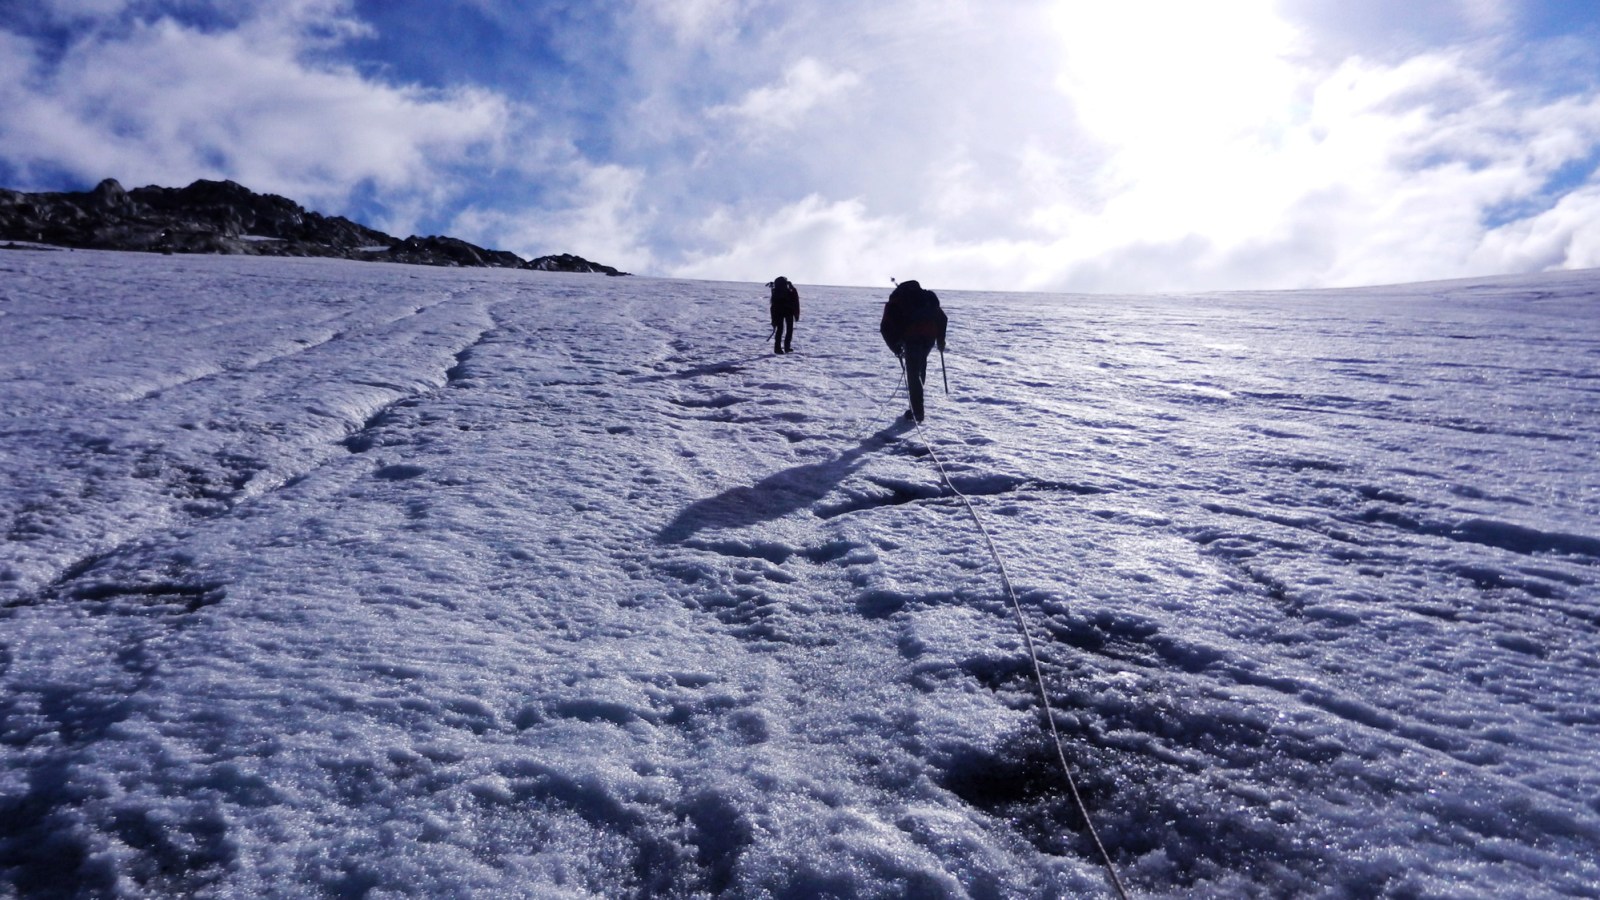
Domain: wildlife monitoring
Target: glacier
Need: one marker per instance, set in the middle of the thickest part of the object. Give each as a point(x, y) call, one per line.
point(324, 578)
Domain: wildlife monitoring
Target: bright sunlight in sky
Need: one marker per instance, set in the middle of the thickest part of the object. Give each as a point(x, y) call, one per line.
point(1143, 73)
point(1147, 145)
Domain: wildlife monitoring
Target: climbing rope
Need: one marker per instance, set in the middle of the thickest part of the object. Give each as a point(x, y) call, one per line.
point(1027, 636)
point(1038, 672)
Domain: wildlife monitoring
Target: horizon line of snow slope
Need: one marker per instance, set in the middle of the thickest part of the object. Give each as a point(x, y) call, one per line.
point(325, 576)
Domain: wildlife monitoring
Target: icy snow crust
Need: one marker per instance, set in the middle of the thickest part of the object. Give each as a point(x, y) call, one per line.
point(329, 578)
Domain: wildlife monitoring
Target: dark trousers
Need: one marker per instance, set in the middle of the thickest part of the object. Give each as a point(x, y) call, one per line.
point(783, 333)
point(917, 373)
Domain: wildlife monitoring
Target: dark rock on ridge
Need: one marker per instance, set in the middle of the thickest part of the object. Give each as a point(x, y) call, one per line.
point(225, 217)
point(449, 251)
point(566, 262)
point(205, 217)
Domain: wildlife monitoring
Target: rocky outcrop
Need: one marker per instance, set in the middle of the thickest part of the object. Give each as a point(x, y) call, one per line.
point(225, 217)
point(234, 211)
point(205, 217)
point(566, 262)
point(449, 251)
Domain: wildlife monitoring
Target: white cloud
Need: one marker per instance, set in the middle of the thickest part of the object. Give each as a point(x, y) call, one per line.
point(806, 84)
point(1487, 15)
point(166, 103)
point(1370, 173)
point(597, 216)
point(820, 241)
point(814, 240)
point(1256, 167)
point(1147, 145)
point(1567, 236)
point(693, 20)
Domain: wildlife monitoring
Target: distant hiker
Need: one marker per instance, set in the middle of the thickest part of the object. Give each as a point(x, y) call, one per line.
point(913, 324)
point(785, 310)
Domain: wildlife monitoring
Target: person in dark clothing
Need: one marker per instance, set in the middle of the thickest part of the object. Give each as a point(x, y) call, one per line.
point(913, 324)
point(785, 312)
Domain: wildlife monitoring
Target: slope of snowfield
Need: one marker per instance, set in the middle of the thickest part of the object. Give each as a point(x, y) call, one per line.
point(324, 578)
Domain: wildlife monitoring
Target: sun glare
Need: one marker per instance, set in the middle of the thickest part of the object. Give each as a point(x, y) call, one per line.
point(1142, 70)
point(1197, 106)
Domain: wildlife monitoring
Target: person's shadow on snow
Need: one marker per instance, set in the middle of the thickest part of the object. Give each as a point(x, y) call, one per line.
point(775, 496)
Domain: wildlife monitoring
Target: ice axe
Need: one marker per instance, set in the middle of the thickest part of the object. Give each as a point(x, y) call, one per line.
point(944, 373)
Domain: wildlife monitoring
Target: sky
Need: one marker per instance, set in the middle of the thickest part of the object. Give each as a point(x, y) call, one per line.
point(1034, 145)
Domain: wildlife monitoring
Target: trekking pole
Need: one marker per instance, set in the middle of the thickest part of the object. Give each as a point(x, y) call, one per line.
point(773, 333)
point(944, 373)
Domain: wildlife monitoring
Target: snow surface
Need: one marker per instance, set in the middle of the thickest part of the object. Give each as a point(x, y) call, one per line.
point(348, 579)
